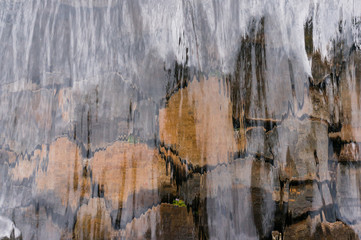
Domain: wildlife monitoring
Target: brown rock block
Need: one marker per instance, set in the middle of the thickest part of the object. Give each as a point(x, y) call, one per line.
point(350, 152)
point(176, 167)
point(350, 133)
point(350, 89)
point(320, 68)
point(124, 169)
point(314, 229)
point(93, 221)
point(322, 105)
point(64, 173)
point(176, 223)
point(200, 125)
point(164, 221)
point(303, 198)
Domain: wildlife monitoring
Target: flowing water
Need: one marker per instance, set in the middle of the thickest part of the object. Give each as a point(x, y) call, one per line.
point(181, 119)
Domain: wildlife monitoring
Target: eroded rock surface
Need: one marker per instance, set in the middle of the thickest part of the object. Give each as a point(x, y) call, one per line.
point(180, 119)
point(197, 126)
point(311, 229)
point(162, 222)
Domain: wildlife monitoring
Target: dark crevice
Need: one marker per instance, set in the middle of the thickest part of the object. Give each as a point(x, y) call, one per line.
point(193, 169)
point(268, 124)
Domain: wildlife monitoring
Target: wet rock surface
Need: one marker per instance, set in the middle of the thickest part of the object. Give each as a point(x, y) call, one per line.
point(93, 221)
point(162, 222)
point(324, 230)
point(180, 120)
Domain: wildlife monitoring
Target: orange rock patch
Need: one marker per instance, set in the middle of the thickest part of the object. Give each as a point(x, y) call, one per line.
point(64, 173)
point(197, 122)
point(93, 221)
point(123, 169)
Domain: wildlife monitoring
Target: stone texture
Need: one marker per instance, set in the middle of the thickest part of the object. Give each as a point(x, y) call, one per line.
point(103, 120)
point(300, 149)
point(164, 221)
point(239, 199)
point(199, 126)
point(303, 199)
point(40, 223)
point(350, 153)
point(350, 95)
point(129, 178)
point(63, 173)
point(348, 190)
point(313, 229)
point(8, 230)
point(93, 221)
point(123, 170)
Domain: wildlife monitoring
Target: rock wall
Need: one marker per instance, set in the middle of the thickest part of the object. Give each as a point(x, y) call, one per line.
point(180, 119)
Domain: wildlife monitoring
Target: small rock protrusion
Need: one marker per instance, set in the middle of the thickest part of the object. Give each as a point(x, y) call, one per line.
point(276, 235)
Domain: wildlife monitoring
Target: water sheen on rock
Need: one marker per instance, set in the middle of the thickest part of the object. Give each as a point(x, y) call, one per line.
point(178, 119)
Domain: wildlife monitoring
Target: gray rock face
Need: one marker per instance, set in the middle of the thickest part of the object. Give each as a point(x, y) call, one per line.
point(248, 111)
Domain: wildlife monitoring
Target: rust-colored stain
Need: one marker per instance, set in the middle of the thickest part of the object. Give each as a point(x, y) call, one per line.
point(123, 169)
point(93, 221)
point(197, 122)
point(62, 173)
